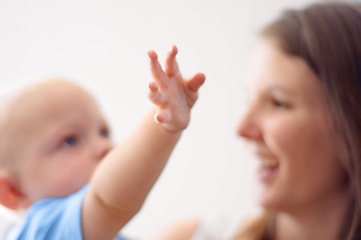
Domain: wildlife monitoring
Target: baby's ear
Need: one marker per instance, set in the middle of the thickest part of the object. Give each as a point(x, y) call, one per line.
point(10, 196)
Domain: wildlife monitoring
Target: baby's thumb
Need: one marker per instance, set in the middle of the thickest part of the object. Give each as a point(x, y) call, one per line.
point(196, 82)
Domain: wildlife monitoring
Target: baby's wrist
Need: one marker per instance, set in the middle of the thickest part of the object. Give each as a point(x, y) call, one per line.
point(172, 128)
point(171, 122)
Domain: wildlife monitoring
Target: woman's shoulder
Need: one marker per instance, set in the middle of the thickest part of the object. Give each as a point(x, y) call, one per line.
point(219, 226)
point(214, 226)
point(230, 226)
point(182, 230)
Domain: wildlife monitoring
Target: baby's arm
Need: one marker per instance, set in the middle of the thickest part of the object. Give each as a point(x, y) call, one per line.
point(124, 178)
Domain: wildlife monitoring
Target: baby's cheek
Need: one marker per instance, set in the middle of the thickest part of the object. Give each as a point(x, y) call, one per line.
point(34, 191)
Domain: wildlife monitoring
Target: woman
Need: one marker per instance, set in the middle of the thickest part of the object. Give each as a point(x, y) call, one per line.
point(304, 122)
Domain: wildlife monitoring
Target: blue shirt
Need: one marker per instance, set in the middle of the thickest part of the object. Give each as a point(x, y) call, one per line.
point(53, 218)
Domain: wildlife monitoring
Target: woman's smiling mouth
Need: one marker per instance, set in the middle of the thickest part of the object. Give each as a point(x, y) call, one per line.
point(267, 170)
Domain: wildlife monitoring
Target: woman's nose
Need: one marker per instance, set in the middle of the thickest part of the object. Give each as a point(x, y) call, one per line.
point(249, 126)
point(102, 146)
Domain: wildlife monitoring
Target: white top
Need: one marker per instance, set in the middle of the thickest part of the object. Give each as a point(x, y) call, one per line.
point(218, 227)
point(7, 221)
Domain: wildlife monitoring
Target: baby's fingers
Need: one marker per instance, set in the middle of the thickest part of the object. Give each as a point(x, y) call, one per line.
point(153, 87)
point(163, 116)
point(171, 65)
point(155, 95)
point(156, 69)
point(196, 82)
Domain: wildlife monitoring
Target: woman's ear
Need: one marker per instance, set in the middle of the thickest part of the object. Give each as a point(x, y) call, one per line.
point(10, 196)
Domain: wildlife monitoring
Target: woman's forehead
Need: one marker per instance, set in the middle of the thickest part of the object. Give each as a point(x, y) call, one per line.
point(271, 68)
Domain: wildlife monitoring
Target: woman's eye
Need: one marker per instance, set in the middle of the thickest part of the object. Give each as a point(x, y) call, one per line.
point(70, 141)
point(279, 103)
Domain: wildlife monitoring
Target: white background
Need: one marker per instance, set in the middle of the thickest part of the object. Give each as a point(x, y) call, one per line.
point(102, 45)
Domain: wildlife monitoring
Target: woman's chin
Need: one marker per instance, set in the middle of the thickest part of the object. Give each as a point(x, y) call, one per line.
point(266, 200)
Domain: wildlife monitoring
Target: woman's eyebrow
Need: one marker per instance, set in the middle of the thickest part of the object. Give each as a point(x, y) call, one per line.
point(281, 90)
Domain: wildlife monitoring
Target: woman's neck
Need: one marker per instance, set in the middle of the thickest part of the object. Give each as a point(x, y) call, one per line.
point(323, 219)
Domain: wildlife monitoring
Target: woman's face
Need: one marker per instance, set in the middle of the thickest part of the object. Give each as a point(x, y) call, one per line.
point(288, 125)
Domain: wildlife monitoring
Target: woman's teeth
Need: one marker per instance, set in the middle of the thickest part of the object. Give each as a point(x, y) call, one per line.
point(268, 163)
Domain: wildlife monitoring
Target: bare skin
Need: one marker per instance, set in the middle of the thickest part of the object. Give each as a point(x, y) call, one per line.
point(65, 144)
point(300, 173)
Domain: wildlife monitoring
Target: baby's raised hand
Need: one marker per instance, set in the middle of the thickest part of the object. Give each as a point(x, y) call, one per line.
point(171, 93)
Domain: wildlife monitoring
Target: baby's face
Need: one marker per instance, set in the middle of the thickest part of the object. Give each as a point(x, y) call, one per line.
point(60, 138)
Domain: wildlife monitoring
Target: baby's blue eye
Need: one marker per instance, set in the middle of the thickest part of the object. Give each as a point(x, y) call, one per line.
point(70, 141)
point(104, 133)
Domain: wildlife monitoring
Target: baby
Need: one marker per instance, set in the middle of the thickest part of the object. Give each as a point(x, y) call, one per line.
point(58, 162)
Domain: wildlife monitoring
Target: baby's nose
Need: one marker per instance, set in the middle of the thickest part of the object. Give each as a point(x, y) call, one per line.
point(103, 146)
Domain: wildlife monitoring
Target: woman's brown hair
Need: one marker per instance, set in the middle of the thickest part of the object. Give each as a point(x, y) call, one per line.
point(328, 37)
